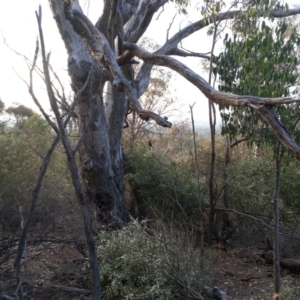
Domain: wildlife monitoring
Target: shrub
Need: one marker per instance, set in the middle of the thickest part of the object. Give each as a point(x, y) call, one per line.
point(168, 187)
point(252, 187)
point(139, 265)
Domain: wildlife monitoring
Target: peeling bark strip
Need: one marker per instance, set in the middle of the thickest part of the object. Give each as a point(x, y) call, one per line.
point(103, 54)
point(263, 106)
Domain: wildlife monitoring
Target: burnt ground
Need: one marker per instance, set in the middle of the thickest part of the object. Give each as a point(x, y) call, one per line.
point(239, 271)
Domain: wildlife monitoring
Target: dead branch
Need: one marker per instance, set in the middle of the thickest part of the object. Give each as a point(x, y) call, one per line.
point(171, 44)
point(37, 189)
point(72, 289)
point(170, 26)
point(263, 106)
point(228, 15)
point(96, 291)
point(182, 53)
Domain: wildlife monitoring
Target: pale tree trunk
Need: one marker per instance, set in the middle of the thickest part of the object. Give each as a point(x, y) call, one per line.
point(101, 154)
point(101, 160)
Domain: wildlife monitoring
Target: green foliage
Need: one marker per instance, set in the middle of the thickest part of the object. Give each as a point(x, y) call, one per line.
point(36, 125)
point(20, 113)
point(168, 187)
point(263, 64)
point(181, 5)
point(139, 265)
point(21, 155)
point(212, 7)
point(253, 185)
point(260, 62)
point(249, 17)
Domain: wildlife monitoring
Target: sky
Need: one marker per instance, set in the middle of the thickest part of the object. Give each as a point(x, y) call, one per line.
point(18, 28)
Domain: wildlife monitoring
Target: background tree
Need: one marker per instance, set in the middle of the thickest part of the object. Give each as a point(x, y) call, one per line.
point(273, 49)
point(20, 113)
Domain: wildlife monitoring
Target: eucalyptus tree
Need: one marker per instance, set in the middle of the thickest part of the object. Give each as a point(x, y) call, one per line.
point(273, 49)
point(21, 113)
point(101, 56)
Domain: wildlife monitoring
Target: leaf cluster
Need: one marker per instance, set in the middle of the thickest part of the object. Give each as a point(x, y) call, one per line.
point(137, 263)
point(263, 64)
point(181, 5)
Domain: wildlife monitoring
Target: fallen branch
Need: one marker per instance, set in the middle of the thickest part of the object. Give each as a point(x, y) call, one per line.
point(72, 289)
point(250, 278)
point(291, 264)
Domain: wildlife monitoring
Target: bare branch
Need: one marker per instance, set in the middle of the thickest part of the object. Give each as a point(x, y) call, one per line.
point(262, 105)
point(72, 289)
point(182, 53)
point(168, 30)
point(238, 142)
point(73, 170)
point(187, 31)
point(162, 10)
point(64, 104)
point(31, 92)
point(140, 21)
point(172, 44)
point(103, 54)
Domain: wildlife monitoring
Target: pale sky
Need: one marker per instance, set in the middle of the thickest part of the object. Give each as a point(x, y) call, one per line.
point(19, 29)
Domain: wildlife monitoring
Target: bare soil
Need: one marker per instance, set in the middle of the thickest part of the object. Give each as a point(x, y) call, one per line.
point(48, 268)
point(239, 271)
point(243, 275)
